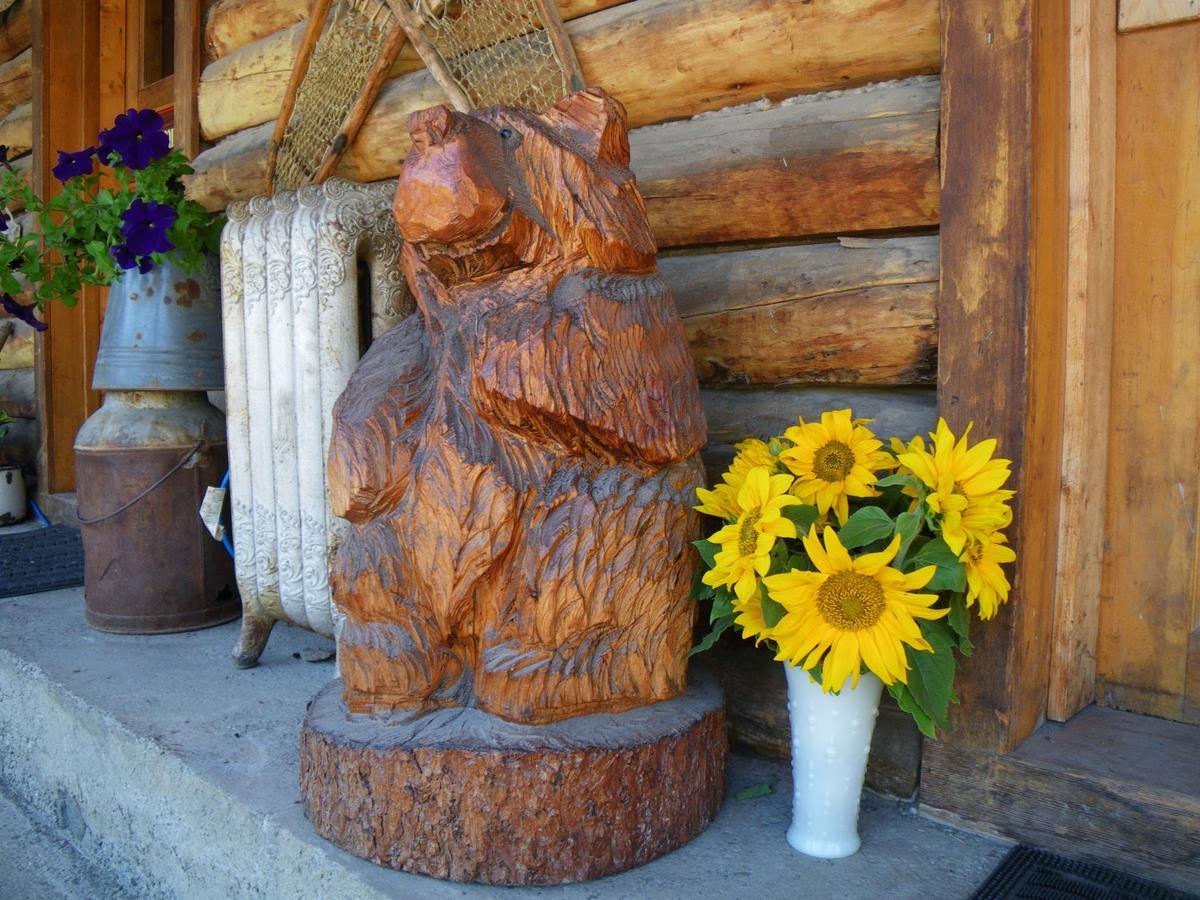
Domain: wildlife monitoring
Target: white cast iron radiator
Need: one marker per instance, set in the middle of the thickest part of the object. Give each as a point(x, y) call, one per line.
point(291, 306)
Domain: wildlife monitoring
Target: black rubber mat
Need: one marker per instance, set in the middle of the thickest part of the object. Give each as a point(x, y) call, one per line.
point(44, 559)
point(1031, 874)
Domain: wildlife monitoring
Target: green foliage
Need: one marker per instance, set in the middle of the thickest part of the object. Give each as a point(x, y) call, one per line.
point(866, 526)
point(77, 228)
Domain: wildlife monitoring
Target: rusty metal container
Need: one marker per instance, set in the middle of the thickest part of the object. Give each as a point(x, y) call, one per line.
point(162, 332)
point(143, 462)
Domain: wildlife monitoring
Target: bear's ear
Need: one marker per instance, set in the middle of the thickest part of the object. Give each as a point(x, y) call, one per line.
point(595, 121)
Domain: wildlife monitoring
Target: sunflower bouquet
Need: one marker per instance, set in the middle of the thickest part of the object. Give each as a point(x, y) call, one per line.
point(842, 554)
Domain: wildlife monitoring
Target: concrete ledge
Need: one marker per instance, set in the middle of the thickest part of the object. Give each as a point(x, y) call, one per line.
point(161, 763)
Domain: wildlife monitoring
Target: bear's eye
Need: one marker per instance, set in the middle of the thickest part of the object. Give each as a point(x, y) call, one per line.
point(506, 133)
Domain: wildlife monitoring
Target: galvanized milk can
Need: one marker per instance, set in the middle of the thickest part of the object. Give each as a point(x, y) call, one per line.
point(144, 460)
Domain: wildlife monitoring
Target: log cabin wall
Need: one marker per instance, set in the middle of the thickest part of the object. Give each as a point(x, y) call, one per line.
point(17, 392)
point(787, 152)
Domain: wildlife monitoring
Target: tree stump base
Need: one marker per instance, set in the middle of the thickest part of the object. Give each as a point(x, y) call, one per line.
point(463, 795)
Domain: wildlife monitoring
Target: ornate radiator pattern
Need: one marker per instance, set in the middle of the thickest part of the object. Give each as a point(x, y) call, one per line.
point(291, 309)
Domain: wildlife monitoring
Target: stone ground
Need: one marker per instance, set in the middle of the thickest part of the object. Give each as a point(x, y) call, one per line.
point(173, 774)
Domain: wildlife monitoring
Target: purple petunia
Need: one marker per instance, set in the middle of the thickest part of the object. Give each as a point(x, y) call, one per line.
point(127, 259)
point(5, 218)
point(137, 138)
point(71, 164)
point(21, 311)
point(144, 227)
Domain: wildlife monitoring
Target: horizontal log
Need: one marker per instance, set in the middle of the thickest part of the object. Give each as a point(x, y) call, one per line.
point(664, 59)
point(16, 130)
point(17, 396)
point(258, 73)
point(17, 351)
point(858, 160)
point(16, 82)
point(734, 415)
point(861, 311)
point(232, 24)
point(16, 29)
point(887, 181)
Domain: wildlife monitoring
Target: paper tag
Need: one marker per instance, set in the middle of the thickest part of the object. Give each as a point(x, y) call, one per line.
point(210, 511)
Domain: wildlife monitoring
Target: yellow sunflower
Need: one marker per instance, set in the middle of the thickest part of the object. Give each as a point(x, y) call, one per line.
point(833, 460)
point(851, 611)
point(721, 501)
point(746, 543)
point(964, 483)
point(748, 615)
point(986, 581)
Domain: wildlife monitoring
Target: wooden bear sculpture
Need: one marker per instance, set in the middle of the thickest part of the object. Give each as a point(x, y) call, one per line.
point(518, 458)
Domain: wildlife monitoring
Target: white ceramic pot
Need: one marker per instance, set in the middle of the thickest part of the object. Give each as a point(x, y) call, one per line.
point(831, 737)
point(12, 495)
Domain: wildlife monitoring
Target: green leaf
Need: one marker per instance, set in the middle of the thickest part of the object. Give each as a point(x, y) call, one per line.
point(907, 702)
point(908, 525)
point(931, 675)
point(897, 481)
point(707, 550)
point(803, 515)
point(935, 553)
point(750, 793)
point(772, 609)
point(719, 628)
point(959, 621)
point(722, 605)
point(801, 563)
point(866, 526)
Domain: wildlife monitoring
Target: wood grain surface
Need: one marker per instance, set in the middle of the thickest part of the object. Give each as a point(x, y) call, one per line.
point(518, 461)
point(467, 797)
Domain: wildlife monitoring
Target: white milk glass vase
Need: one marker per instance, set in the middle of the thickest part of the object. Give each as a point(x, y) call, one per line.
point(831, 737)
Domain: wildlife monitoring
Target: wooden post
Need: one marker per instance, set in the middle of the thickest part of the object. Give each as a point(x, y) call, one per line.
point(188, 62)
point(998, 363)
point(65, 74)
point(1087, 195)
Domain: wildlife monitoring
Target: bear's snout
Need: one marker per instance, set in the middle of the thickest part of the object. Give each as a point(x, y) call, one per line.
point(451, 189)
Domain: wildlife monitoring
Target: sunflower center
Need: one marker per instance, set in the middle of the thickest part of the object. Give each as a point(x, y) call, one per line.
point(833, 462)
point(850, 601)
point(748, 536)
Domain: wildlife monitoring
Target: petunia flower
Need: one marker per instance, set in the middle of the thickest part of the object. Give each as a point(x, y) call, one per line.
point(127, 259)
point(145, 225)
point(71, 164)
point(137, 139)
point(21, 311)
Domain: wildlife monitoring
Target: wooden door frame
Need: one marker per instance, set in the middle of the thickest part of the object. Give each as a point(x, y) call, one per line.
point(81, 55)
point(1026, 259)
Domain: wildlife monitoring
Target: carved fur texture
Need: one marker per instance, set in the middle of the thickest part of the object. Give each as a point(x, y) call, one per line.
point(517, 460)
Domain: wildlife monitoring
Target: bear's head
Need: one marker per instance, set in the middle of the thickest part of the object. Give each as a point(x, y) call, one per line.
point(505, 188)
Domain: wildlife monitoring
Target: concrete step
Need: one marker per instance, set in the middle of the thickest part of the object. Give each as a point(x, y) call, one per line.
point(37, 865)
point(160, 763)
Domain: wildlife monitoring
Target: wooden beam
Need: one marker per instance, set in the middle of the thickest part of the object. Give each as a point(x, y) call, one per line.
point(1135, 14)
point(1088, 130)
point(656, 56)
point(994, 340)
point(1109, 787)
point(859, 311)
point(188, 61)
point(65, 58)
point(16, 29)
point(851, 161)
point(16, 82)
